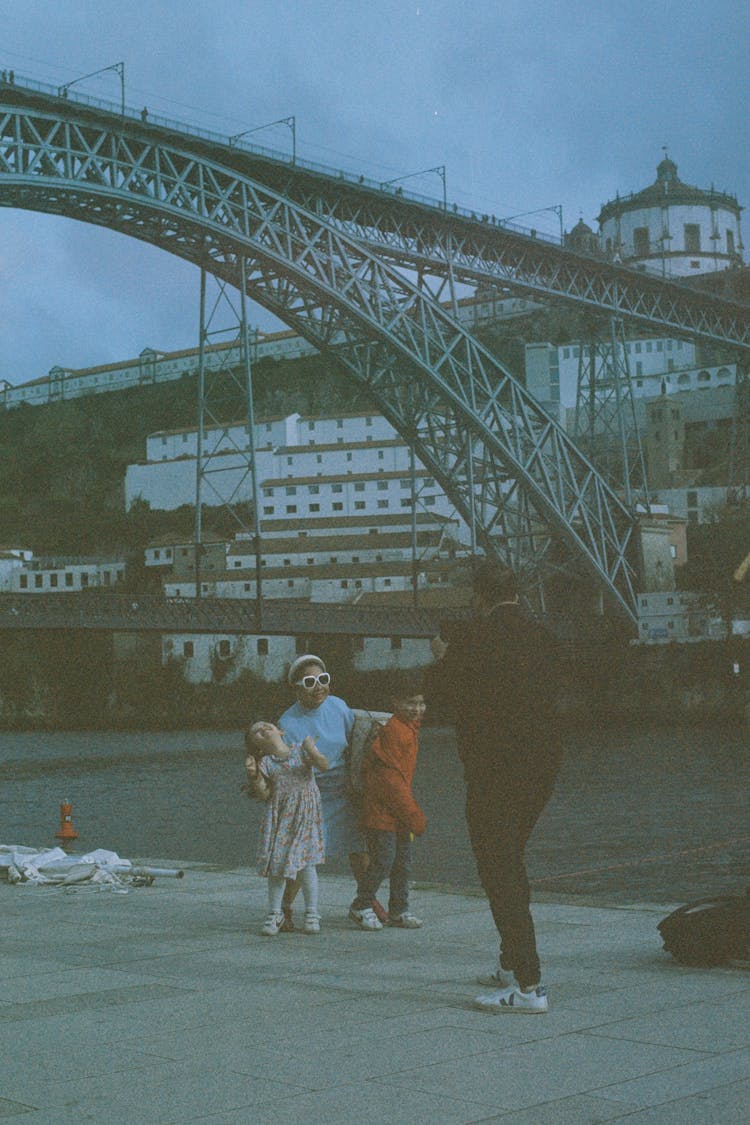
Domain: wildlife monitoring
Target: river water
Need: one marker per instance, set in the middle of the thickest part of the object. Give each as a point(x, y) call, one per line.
point(647, 814)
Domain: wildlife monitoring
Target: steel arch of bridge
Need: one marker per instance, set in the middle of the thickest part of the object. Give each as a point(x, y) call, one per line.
point(451, 249)
point(535, 499)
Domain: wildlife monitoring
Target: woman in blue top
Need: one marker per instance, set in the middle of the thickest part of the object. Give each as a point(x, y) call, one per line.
point(328, 720)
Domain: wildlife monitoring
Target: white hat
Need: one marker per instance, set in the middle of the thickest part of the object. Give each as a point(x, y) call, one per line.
point(306, 658)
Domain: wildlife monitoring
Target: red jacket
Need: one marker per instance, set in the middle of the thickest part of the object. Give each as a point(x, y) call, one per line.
point(387, 772)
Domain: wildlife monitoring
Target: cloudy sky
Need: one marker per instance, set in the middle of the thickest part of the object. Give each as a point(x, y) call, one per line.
point(529, 104)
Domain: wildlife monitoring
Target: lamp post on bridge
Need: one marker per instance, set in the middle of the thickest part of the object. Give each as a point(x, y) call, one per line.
point(62, 91)
point(439, 170)
point(290, 121)
point(556, 208)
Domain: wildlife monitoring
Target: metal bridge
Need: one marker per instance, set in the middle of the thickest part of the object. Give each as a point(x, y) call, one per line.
point(363, 272)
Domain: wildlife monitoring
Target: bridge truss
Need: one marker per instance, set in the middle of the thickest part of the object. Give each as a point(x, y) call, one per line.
point(536, 501)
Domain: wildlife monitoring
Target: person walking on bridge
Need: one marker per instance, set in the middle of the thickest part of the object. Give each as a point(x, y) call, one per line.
point(498, 676)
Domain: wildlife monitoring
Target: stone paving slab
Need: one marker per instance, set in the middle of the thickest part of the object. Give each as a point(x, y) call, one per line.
point(165, 1005)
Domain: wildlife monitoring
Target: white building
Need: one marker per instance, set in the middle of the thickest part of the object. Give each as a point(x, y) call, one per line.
point(65, 575)
point(308, 468)
point(671, 228)
point(204, 657)
point(149, 367)
point(655, 364)
point(12, 560)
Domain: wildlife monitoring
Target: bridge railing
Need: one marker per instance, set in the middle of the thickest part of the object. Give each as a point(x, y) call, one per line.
point(189, 130)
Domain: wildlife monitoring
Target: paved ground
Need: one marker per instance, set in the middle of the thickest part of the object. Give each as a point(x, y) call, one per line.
point(163, 1005)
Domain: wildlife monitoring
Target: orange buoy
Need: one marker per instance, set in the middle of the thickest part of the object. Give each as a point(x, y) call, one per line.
point(67, 831)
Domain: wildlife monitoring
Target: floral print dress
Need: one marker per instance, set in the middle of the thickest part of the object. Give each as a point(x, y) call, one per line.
point(291, 835)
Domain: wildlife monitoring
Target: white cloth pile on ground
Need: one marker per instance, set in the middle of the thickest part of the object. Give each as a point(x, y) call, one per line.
point(100, 869)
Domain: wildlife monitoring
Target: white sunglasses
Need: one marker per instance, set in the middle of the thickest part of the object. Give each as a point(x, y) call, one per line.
point(309, 682)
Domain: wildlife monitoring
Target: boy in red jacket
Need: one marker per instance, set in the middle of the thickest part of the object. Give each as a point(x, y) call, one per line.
point(390, 815)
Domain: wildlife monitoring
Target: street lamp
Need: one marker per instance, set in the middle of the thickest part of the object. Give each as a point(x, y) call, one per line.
point(557, 208)
point(439, 171)
point(290, 121)
point(119, 67)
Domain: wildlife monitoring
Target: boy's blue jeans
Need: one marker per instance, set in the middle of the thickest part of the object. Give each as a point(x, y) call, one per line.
point(390, 858)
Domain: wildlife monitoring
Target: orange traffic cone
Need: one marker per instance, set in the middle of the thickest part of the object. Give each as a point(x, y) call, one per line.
point(67, 831)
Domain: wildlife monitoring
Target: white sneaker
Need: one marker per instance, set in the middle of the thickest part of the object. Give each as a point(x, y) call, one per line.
point(514, 999)
point(501, 978)
point(365, 919)
point(272, 924)
point(312, 922)
point(405, 921)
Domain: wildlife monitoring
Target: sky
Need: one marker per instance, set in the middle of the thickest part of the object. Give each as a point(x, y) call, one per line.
point(529, 104)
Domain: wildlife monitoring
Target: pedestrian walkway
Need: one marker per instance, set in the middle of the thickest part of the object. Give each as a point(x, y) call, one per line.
point(164, 1005)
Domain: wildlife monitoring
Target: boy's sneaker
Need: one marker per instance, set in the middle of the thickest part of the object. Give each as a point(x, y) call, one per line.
point(501, 978)
point(312, 922)
point(365, 919)
point(405, 921)
point(272, 924)
point(514, 999)
point(379, 911)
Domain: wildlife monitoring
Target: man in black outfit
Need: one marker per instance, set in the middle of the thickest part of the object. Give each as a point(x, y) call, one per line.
point(498, 674)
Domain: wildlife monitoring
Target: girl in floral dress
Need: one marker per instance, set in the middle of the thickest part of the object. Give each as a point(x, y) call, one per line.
point(291, 837)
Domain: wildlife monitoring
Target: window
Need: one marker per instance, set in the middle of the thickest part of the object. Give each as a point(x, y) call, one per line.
point(291, 509)
point(359, 486)
point(23, 581)
point(313, 489)
point(246, 587)
point(382, 503)
point(368, 421)
point(344, 584)
point(38, 581)
point(290, 583)
point(405, 483)
point(266, 492)
point(641, 242)
point(318, 459)
point(382, 486)
point(406, 502)
point(381, 455)
point(338, 506)
point(224, 649)
point(262, 646)
point(730, 242)
point(349, 456)
point(287, 562)
point(289, 460)
point(386, 582)
point(396, 644)
point(339, 423)
point(290, 490)
point(68, 578)
point(315, 507)
point(311, 425)
point(188, 649)
point(268, 510)
point(359, 505)
point(337, 488)
point(692, 238)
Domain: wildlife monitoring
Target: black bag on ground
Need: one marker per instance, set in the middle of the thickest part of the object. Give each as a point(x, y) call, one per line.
point(709, 931)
